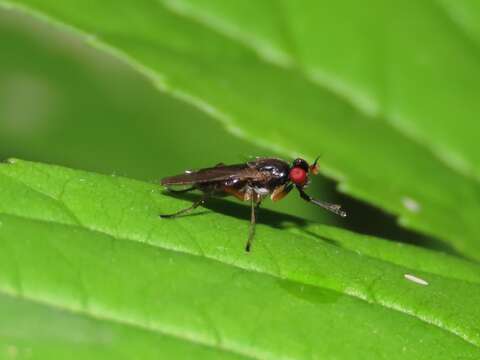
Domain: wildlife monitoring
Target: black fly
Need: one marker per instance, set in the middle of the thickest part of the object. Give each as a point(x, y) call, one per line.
point(251, 181)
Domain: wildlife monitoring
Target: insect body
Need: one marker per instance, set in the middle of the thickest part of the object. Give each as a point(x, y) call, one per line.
point(251, 181)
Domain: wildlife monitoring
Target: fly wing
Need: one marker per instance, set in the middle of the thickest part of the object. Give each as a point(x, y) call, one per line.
point(214, 174)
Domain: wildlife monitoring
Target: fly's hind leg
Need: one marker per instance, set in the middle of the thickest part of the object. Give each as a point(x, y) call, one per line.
point(255, 204)
point(196, 204)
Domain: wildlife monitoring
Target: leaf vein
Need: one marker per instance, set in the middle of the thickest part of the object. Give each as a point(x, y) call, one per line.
point(350, 292)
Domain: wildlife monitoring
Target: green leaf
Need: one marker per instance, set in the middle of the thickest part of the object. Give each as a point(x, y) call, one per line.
point(88, 256)
point(386, 92)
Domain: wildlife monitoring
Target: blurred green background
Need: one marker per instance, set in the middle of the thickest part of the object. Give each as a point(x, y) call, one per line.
point(63, 102)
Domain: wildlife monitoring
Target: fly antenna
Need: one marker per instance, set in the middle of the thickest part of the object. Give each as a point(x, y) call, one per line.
point(314, 166)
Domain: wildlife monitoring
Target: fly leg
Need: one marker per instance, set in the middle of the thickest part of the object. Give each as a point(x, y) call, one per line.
point(334, 208)
point(251, 231)
point(190, 208)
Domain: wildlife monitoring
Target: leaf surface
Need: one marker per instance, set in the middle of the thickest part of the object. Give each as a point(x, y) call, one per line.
point(86, 248)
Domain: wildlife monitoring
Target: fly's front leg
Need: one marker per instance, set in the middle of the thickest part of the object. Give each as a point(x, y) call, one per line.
point(190, 208)
point(255, 204)
point(334, 208)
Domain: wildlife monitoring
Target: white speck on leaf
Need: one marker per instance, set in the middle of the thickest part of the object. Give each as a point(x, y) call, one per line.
point(411, 204)
point(415, 279)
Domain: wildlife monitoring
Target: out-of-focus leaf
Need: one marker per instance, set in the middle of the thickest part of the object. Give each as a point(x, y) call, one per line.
point(30, 329)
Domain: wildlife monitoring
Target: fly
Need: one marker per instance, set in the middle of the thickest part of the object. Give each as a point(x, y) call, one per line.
point(251, 181)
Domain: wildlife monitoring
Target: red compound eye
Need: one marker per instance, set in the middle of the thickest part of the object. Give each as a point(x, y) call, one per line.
point(298, 175)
